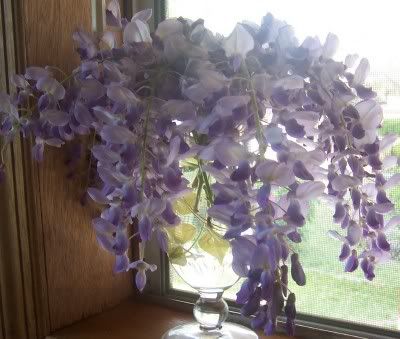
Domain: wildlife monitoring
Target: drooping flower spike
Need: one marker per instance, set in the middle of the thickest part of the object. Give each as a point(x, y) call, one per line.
point(264, 122)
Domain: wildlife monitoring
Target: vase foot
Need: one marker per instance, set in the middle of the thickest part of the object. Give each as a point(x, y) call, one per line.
point(193, 331)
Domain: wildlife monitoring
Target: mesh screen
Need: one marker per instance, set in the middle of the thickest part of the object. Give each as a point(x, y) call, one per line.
point(329, 291)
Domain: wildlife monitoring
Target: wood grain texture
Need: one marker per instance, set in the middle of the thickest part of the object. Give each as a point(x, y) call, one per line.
point(80, 280)
point(11, 279)
point(17, 316)
point(26, 202)
point(130, 320)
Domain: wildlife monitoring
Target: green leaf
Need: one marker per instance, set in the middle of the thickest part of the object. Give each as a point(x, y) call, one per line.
point(214, 245)
point(177, 256)
point(182, 233)
point(185, 205)
point(189, 162)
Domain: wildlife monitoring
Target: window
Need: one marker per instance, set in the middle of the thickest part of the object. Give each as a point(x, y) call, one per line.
point(365, 27)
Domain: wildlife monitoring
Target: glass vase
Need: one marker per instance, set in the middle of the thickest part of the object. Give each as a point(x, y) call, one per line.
point(210, 275)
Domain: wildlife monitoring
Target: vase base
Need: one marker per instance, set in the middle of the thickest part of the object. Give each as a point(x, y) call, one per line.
point(193, 331)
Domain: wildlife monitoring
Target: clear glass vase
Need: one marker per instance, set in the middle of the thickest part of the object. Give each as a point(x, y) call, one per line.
point(210, 275)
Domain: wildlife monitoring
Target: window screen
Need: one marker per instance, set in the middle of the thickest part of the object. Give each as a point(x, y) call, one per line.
point(368, 28)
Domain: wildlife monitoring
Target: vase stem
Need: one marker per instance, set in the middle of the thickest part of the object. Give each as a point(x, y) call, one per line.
point(210, 310)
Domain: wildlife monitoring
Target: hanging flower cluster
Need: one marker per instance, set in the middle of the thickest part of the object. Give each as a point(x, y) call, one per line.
point(268, 123)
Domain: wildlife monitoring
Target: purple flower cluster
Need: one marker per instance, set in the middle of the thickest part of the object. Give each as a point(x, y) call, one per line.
point(275, 123)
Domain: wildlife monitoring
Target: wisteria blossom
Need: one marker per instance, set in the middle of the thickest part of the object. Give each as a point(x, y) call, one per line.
point(184, 98)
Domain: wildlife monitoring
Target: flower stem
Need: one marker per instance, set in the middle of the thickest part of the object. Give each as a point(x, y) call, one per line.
point(58, 69)
point(144, 145)
point(92, 141)
point(133, 235)
point(202, 219)
point(207, 186)
point(259, 134)
point(67, 78)
point(196, 239)
point(284, 285)
point(277, 205)
point(199, 189)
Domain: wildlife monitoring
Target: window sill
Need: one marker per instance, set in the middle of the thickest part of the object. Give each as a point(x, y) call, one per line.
point(130, 319)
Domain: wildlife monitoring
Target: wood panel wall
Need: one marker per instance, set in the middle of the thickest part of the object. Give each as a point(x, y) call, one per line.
point(52, 272)
point(17, 304)
point(80, 279)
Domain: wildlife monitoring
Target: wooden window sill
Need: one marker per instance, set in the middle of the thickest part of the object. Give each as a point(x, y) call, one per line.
point(129, 320)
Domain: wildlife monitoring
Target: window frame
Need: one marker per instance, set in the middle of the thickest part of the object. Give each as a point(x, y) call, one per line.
point(159, 289)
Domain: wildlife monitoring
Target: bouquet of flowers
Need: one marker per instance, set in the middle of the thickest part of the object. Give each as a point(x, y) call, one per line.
point(266, 123)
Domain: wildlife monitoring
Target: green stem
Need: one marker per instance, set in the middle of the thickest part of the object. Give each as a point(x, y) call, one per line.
point(199, 189)
point(202, 219)
point(210, 224)
point(277, 205)
point(67, 78)
point(284, 285)
point(196, 239)
point(259, 134)
point(241, 78)
point(92, 141)
point(58, 69)
point(207, 186)
point(144, 145)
